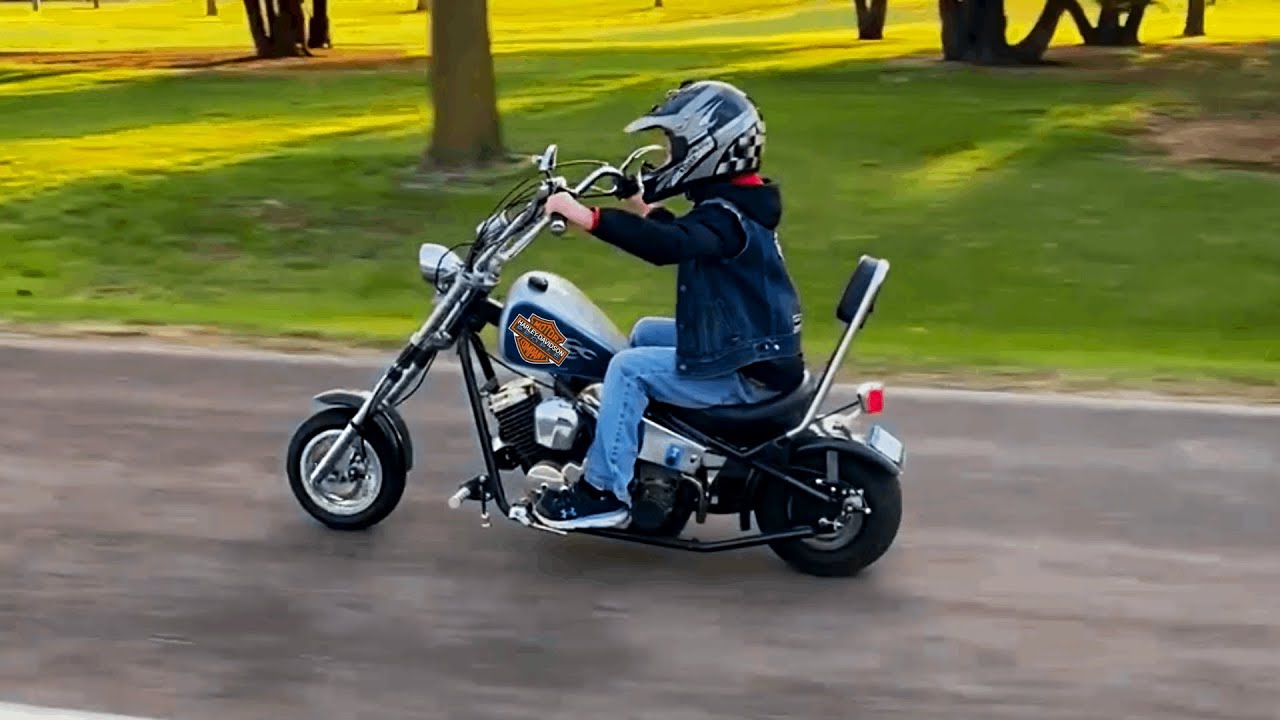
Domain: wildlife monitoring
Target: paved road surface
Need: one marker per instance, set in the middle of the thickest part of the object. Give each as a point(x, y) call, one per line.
point(1054, 563)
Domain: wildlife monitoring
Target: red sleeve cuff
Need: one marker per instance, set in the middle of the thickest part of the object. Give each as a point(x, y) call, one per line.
point(595, 219)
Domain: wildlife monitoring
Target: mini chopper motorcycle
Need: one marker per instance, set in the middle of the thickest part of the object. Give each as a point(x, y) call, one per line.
point(825, 497)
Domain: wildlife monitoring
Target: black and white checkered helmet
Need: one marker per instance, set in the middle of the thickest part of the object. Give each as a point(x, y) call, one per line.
point(714, 130)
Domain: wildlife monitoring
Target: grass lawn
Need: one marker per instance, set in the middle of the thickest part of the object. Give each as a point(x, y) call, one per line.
point(1028, 231)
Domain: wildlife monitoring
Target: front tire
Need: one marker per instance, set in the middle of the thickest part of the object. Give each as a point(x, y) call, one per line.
point(841, 553)
point(366, 483)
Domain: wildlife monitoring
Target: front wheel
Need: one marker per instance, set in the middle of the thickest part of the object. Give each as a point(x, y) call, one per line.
point(366, 482)
point(861, 538)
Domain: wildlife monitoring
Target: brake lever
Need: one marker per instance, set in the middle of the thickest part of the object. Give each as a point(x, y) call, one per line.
point(636, 155)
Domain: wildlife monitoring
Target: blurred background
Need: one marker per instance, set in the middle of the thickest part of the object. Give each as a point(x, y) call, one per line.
point(1075, 195)
point(1083, 197)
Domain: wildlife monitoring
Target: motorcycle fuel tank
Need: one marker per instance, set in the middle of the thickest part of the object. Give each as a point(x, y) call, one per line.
point(548, 325)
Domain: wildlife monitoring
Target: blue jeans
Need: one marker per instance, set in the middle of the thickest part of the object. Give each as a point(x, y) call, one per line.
point(647, 371)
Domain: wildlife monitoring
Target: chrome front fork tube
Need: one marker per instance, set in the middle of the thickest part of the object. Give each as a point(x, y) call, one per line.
point(393, 381)
point(348, 433)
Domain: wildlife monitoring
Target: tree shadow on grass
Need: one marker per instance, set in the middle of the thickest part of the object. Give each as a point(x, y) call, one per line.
point(327, 226)
point(82, 109)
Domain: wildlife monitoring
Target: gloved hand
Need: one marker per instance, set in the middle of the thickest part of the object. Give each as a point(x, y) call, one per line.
point(630, 190)
point(627, 187)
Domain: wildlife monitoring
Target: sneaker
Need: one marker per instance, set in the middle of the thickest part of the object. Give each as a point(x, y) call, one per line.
point(581, 506)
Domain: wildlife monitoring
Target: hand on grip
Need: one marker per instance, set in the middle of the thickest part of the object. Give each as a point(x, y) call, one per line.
point(626, 187)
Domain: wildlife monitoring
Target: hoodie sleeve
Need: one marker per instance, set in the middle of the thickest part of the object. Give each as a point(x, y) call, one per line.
point(664, 239)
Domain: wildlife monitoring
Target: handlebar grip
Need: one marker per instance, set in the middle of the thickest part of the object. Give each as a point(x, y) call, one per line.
point(558, 224)
point(626, 186)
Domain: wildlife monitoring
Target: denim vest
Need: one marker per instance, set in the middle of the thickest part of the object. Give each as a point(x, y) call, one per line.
point(733, 312)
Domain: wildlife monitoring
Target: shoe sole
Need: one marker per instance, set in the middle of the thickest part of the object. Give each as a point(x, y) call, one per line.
point(613, 519)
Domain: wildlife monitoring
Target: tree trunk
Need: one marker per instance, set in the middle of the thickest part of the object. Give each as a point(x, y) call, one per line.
point(871, 18)
point(466, 131)
point(278, 28)
point(1111, 30)
point(97, 4)
point(319, 30)
point(257, 16)
point(289, 34)
point(1132, 24)
point(1087, 32)
point(35, 5)
point(1107, 31)
point(1195, 19)
point(210, 8)
point(974, 31)
point(423, 6)
point(1037, 41)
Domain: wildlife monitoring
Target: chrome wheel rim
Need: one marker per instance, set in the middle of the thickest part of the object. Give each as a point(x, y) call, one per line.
point(353, 484)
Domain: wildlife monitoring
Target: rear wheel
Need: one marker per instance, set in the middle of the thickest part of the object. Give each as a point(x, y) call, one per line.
point(850, 540)
point(366, 483)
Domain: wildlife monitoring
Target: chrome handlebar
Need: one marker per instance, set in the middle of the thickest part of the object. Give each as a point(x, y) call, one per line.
point(505, 249)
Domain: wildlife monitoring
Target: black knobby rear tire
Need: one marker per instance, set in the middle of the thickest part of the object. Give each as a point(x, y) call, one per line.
point(388, 457)
point(781, 507)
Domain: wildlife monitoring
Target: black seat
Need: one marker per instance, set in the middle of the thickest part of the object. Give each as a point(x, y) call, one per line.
point(748, 424)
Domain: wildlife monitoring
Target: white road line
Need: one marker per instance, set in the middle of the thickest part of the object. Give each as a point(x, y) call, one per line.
point(9, 711)
point(368, 359)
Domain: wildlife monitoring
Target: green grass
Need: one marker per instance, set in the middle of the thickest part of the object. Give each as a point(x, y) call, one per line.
point(1024, 231)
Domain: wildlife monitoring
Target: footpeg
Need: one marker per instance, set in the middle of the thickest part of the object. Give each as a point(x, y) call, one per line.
point(455, 500)
point(473, 489)
point(520, 513)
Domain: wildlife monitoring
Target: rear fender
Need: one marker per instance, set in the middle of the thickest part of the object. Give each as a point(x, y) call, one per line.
point(387, 418)
point(855, 446)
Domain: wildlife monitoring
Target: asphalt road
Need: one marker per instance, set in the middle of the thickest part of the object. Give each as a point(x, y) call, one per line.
point(1054, 562)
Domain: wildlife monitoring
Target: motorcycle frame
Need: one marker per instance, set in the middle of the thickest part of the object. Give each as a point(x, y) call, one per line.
point(466, 308)
point(489, 486)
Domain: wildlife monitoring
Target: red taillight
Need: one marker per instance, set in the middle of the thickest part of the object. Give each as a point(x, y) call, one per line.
point(873, 400)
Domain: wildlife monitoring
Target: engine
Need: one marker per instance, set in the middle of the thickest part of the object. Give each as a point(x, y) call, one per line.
point(533, 429)
point(657, 494)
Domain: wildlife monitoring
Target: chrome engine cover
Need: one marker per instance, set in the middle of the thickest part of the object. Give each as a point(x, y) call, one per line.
point(556, 424)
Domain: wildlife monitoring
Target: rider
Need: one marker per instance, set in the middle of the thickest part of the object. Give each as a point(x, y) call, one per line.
point(735, 337)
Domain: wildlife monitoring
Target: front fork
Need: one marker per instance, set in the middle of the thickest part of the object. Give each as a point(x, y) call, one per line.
point(416, 355)
point(411, 363)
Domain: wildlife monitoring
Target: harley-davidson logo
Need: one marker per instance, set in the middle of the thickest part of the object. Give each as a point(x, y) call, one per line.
point(538, 340)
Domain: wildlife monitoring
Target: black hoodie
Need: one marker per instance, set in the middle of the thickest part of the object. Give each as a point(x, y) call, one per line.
point(661, 238)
